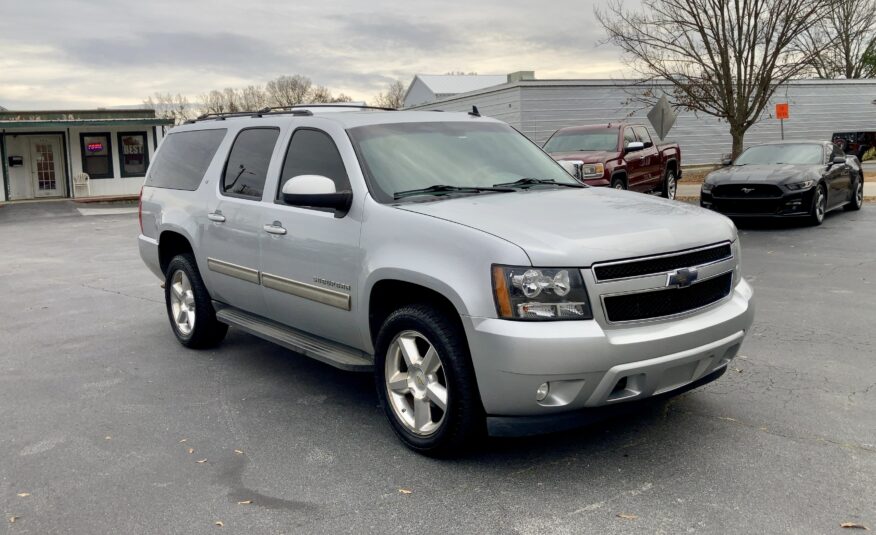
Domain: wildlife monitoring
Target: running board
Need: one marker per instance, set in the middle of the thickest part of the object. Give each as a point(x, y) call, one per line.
point(334, 354)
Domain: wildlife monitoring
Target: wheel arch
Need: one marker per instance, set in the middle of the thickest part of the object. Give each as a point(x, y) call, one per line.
point(387, 294)
point(170, 244)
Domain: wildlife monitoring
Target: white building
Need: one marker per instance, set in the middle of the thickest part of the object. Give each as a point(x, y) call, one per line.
point(818, 108)
point(44, 153)
point(426, 88)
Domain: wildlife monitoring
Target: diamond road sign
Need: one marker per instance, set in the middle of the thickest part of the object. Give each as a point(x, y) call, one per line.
point(662, 117)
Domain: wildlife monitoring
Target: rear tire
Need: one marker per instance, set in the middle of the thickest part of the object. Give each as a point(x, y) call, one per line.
point(857, 196)
point(189, 307)
point(619, 183)
point(670, 185)
point(819, 206)
point(422, 363)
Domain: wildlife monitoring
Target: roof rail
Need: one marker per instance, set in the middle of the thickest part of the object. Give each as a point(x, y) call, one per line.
point(336, 105)
point(221, 116)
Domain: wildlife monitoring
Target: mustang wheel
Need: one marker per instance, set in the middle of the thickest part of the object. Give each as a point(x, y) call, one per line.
point(189, 306)
point(426, 383)
point(857, 197)
point(819, 206)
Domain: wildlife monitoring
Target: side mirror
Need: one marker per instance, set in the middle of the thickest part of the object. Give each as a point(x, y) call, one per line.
point(726, 161)
point(633, 146)
point(316, 191)
point(648, 144)
point(839, 160)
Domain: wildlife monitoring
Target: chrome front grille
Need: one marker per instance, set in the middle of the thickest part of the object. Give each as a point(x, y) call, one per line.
point(652, 265)
point(667, 301)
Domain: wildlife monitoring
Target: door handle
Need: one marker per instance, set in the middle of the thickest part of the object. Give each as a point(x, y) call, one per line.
point(275, 228)
point(216, 217)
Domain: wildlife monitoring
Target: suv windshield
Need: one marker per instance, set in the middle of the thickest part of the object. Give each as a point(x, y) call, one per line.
point(582, 141)
point(795, 154)
point(403, 157)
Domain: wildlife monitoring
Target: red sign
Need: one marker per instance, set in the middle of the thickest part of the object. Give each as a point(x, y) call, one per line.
point(94, 147)
point(782, 110)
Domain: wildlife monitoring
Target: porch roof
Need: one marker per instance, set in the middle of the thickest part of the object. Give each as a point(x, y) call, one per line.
point(65, 123)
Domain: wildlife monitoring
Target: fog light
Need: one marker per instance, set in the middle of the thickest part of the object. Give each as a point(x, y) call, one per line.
point(542, 392)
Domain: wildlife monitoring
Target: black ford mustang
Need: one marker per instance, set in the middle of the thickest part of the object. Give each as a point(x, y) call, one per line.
point(786, 179)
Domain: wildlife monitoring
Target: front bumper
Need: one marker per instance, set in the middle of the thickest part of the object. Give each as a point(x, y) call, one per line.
point(588, 365)
point(789, 204)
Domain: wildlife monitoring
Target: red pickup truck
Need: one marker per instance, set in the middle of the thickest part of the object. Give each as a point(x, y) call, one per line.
point(619, 155)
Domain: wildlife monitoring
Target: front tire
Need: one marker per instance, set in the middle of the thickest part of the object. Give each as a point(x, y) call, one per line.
point(857, 196)
point(189, 307)
point(619, 183)
point(819, 206)
point(670, 185)
point(426, 383)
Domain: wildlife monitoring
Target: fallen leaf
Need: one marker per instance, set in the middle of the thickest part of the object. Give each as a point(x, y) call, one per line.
point(244, 502)
point(12, 519)
point(737, 370)
point(183, 440)
point(191, 450)
point(239, 452)
point(627, 516)
point(23, 494)
point(405, 491)
point(853, 525)
point(727, 418)
point(107, 437)
point(202, 461)
point(219, 523)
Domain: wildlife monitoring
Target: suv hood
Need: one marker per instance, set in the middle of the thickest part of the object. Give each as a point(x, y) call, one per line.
point(584, 156)
point(577, 227)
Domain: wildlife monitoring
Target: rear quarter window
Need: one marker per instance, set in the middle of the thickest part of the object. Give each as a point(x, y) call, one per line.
point(184, 158)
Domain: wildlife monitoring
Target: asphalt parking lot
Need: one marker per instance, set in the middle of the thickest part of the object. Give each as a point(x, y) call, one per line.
point(100, 406)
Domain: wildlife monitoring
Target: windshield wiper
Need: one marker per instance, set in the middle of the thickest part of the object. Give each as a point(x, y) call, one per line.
point(446, 188)
point(535, 181)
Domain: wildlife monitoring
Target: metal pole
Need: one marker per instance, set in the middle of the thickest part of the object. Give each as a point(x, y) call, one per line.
point(782, 123)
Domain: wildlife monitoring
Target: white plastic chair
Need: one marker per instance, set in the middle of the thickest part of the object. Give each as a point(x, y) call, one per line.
point(81, 181)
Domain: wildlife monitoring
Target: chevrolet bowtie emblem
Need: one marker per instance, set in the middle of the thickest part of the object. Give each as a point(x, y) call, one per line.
point(682, 278)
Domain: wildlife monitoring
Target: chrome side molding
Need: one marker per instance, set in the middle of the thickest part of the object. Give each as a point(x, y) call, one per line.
point(307, 291)
point(233, 270)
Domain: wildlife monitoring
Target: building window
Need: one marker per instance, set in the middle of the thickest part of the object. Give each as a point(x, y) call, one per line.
point(97, 155)
point(133, 155)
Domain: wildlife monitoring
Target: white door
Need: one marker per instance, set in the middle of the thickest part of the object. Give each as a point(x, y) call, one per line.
point(45, 166)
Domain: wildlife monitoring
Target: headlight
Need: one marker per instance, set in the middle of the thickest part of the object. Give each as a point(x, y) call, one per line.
point(592, 170)
point(527, 293)
point(806, 184)
point(707, 188)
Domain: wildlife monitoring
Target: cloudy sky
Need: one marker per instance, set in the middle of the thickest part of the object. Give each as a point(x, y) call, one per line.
point(73, 53)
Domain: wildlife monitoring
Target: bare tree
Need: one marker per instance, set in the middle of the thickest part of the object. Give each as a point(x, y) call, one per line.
point(289, 90)
point(169, 106)
point(252, 98)
point(394, 97)
point(724, 58)
point(844, 41)
point(319, 95)
point(342, 98)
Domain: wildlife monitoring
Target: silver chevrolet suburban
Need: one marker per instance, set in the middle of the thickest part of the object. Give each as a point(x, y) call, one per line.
point(487, 290)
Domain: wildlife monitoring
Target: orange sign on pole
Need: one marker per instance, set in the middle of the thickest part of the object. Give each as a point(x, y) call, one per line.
point(782, 110)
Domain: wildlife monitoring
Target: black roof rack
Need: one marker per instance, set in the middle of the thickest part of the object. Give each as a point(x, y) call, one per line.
point(296, 109)
point(336, 105)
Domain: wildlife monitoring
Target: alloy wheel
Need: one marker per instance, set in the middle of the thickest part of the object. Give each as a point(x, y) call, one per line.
point(182, 302)
point(671, 185)
point(416, 385)
point(859, 192)
point(820, 204)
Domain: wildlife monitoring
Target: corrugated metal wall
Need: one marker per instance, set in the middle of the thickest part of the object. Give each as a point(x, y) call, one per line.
point(538, 108)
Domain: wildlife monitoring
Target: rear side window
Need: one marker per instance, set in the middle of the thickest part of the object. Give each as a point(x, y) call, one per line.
point(184, 158)
point(312, 152)
point(248, 162)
